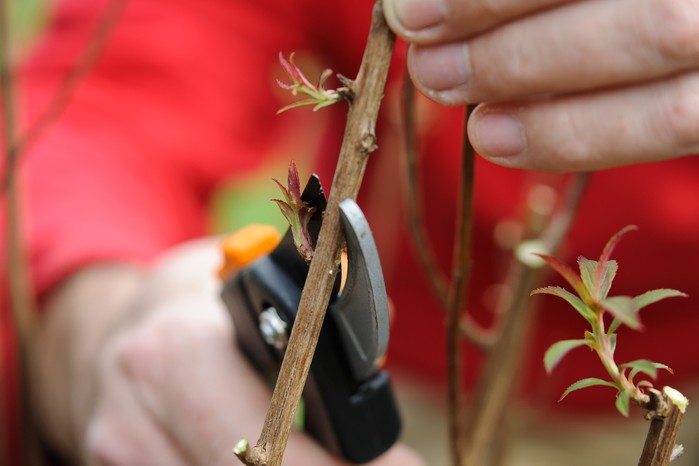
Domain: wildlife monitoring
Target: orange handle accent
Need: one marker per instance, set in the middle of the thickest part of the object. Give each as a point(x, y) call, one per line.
point(245, 245)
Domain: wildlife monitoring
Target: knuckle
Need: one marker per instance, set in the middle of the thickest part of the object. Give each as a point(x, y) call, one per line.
point(565, 148)
point(674, 24)
point(105, 448)
point(163, 339)
point(141, 353)
point(679, 117)
point(490, 8)
point(137, 358)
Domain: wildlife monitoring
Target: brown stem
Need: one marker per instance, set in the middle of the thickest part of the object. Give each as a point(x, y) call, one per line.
point(457, 298)
point(481, 337)
point(21, 303)
point(416, 216)
point(496, 385)
point(662, 433)
point(359, 142)
point(65, 91)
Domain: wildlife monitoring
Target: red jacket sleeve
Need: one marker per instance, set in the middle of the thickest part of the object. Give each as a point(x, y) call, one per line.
point(181, 98)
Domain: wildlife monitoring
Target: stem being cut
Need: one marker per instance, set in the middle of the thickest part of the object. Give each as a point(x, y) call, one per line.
point(359, 142)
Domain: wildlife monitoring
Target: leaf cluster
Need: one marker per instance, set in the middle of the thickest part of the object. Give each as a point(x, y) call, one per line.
point(316, 94)
point(592, 301)
point(296, 212)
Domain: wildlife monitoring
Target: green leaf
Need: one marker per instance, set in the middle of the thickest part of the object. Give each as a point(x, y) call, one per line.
point(597, 282)
point(612, 341)
point(570, 276)
point(573, 300)
point(584, 383)
point(624, 309)
point(653, 296)
point(613, 326)
point(622, 403)
point(300, 103)
point(645, 366)
point(558, 350)
point(325, 103)
point(605, 283)
point(588, 269)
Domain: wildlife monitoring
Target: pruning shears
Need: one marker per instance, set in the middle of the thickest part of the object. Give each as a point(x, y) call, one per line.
point(349, 405)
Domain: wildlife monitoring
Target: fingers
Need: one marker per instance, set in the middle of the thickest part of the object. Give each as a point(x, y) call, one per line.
point(192, 381)
point(399, 456)
point(650, 122)
point(304, 451)
point(431, 21)
point(119, 432)
point(581, 46)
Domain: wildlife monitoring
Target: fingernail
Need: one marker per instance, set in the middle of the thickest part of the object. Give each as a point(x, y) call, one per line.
point(499, 135)
point(419, 14)
point(440, 68)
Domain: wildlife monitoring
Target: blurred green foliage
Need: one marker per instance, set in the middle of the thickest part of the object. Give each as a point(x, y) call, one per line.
point(27, 20)
point(248, 201)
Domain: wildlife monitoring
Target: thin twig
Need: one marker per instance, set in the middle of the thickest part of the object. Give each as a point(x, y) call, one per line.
point(21, 303)
point(665, 422)
point(64, 93)
point(435, 277)
point(496, 385)
point(457, 298)
point(359, 142)
point(481, 337)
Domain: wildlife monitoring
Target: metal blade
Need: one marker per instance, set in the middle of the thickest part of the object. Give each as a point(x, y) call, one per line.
point(361, 310)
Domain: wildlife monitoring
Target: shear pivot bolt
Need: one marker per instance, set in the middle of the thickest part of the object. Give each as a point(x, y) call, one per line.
point(273, 328)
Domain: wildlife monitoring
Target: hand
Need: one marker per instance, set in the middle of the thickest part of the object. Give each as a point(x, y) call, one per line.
point(171, 388)
point(565, 85)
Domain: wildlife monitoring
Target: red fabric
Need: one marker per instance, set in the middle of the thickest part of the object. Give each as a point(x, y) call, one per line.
point(183, 98)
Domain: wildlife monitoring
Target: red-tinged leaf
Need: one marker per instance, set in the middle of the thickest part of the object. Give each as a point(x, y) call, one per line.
point(294, 183)
point(613, 241)
point(293, 71)
point(622, 403)
point(623, 309)
point(324, 77)
point(653, 296)
point(287, 211)
point(609, 248)
point(285, 86)
point(587, 313)
point(558, 350)
point(289, 68)
point(584, 383)
point(570, 276)
point(285, 192)
point(296, 212)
